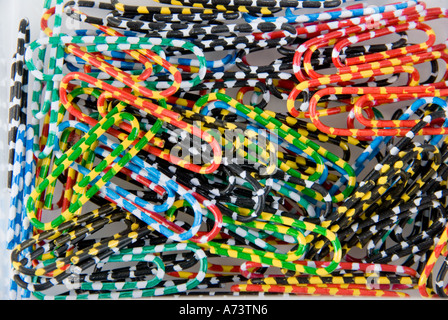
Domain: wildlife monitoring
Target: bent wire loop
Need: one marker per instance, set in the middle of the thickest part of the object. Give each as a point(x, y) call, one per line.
point(158, 121)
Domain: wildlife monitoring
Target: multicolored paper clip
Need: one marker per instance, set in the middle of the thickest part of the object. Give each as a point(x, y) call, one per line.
point(221, 148)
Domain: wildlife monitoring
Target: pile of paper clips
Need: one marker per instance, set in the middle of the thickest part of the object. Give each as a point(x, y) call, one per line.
point(151, 154)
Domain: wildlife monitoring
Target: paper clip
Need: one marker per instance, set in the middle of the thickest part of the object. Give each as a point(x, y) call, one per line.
point(344, 283)
point(395, 166)
point(262, 7)
point(132, 123)
point(18, 94)
point(65, 270)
